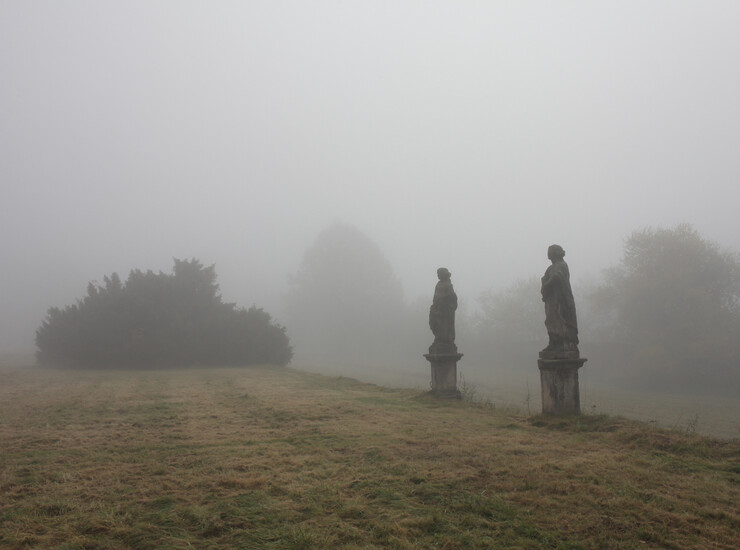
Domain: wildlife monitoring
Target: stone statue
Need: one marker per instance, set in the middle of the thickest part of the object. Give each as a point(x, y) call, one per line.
point(442, 315)
point(560, 309)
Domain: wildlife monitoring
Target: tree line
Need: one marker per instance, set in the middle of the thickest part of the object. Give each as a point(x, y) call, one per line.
point(159, 319)
point(667, 316)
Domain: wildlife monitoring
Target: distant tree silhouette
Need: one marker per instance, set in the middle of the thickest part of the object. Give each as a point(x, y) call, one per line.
point(671, 310)
point(509, 324)
point(344, 302)
point(160, 319)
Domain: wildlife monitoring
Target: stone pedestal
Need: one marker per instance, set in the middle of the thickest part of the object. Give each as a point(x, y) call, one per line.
point(444, 374)
point(559, 380)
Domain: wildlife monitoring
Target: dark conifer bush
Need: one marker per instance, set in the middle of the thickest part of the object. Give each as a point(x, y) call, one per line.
point(157, 319)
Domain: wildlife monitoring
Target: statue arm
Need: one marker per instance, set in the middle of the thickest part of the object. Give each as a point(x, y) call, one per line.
point(551, 279)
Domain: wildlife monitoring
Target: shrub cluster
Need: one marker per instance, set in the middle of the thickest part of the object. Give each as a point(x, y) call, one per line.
point(157, 319)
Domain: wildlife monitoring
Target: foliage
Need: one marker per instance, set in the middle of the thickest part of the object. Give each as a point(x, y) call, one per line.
point(508, 324)
point(673, 307)
point(514, 314)
point(345, 299)
point(160, 319)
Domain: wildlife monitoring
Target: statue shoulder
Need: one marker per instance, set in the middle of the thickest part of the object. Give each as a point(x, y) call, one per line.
point(558, 269)
point(445, 286)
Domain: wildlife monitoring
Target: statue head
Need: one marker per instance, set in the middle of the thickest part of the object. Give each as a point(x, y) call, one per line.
point(443, 274)
point(555, 252)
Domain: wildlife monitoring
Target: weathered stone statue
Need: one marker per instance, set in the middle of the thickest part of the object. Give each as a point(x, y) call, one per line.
point(442, 314)
point(560, 360)
point(443, 355)
point(560, 308)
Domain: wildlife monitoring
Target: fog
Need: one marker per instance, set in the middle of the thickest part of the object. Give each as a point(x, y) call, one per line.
point(470, 135)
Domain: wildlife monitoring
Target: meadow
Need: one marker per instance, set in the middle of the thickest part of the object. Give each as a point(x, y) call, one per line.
point(277, 458)
point(519, 390)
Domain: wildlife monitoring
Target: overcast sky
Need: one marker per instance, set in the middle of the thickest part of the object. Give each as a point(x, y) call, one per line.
point(465, 134)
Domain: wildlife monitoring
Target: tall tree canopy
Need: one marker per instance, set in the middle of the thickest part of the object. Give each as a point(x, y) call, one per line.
point(344, 301)
point(160, 319)
point(673, 305)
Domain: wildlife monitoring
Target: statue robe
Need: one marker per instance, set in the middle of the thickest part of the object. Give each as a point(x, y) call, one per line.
point(560, 308)
point(442, 317)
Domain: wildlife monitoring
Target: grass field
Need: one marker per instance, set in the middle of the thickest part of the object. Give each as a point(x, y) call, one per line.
point(277, 458)
point(519, 389)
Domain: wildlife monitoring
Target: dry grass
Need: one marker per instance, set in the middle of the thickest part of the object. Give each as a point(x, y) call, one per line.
point(516, 388)
point(275, 458)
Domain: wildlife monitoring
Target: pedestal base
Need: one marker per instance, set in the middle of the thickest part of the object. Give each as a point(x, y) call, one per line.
point(444, 374)
point(559, 380)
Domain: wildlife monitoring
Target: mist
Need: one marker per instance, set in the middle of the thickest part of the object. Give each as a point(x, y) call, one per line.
point(469, 136)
